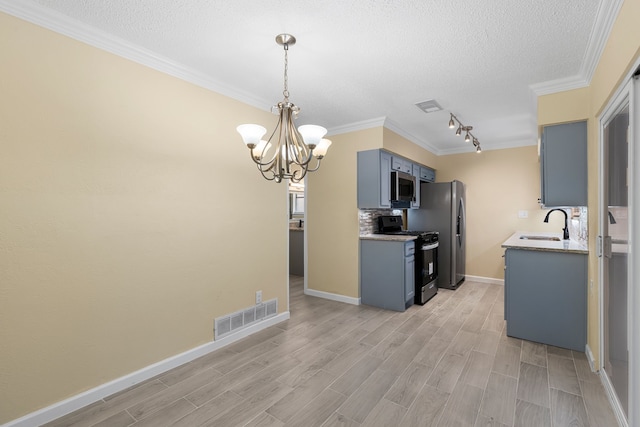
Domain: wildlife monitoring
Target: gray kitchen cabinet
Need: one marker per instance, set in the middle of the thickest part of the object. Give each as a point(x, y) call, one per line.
point(387, 273)
point(546, 297)
point(374, 185)
point(374, 178)
point(563, 165)
point(296, 252)
point(618, 160)
point(427, 174)
point(401, 164)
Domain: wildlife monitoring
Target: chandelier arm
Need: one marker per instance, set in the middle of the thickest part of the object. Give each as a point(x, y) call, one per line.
point(317, 166)
point(302, 174)
point(301, 151)
point(269, 169)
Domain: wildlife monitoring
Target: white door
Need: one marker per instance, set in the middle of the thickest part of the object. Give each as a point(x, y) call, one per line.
point(615, 239)
point(619, 211)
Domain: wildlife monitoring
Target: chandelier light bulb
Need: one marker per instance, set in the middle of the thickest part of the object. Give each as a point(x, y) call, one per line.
point(467, 138)
point(261, 149)
point(312, 134)
point(451, 123)
point(478, 149)
point(251, 134)
point(459, 131)
point(321, 149)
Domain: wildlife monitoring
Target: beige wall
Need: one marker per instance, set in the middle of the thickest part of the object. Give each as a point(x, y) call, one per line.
point(332, 215)
point(499, 184)
point(621, 52)
point(127, 201)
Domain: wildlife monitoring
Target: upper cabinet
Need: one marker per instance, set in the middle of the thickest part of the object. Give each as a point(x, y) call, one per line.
point(563, 165)
point(401, 164)
point(374, 178)
point(427, 174)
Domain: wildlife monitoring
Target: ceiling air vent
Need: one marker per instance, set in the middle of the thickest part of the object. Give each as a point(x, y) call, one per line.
point(429, 106)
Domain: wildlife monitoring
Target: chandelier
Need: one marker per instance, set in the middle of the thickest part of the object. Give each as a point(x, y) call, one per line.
point(294, 152)
point(466, 129)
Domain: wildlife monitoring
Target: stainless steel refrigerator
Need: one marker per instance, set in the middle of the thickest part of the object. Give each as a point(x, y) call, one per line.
point(442, 209)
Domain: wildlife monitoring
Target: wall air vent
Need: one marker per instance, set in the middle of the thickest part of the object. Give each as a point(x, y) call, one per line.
point(429, 106)
point(234, 322)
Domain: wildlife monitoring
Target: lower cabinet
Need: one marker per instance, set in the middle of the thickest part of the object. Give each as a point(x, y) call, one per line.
point(296, 252)
point(546, 297)
point(387, 273)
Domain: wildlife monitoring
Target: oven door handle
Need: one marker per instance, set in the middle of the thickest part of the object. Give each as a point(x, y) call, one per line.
point(429, 247)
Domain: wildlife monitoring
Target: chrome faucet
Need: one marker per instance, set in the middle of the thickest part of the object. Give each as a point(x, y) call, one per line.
point(565, 230)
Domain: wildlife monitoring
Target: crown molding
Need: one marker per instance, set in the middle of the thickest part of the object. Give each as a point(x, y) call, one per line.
point(356, 126)
point(393, 126)
point(558, 85)
point(488, 147)
point(605, 18)
point(59, 23)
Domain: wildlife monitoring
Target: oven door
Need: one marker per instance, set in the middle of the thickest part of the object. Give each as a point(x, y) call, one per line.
point(429, 252)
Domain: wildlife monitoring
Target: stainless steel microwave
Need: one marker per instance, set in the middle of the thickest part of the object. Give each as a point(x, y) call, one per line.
point(403, 189)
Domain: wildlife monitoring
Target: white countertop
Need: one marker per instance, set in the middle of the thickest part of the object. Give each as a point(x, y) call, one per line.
point(389, 237)
point(544, 245)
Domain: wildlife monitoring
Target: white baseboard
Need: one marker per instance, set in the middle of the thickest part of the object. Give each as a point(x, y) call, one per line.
point(590, 359)
point(81, 400)
point(332, 297)
point(613, 399)
point(481, 279)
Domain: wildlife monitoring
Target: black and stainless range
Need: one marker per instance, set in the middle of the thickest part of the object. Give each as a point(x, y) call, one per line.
point(426, 270)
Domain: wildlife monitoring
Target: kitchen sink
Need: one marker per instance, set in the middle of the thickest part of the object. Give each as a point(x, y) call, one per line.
point(548, 238)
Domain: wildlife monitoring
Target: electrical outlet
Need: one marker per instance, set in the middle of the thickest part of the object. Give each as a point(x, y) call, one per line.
point(523, 214)
point(258, 297)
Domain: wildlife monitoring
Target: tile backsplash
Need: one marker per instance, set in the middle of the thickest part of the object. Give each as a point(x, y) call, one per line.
point(368, 219)
point(578, 226)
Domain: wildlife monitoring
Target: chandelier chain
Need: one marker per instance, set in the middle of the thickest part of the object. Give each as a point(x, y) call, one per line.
point(285, 92)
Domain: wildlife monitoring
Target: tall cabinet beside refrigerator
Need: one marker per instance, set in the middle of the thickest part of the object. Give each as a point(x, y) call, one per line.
point(442, 209)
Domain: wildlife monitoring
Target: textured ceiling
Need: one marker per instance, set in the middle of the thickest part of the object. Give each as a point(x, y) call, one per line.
point(357, 62)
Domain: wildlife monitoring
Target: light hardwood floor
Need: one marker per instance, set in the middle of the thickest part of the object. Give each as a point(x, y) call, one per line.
point(448, 363)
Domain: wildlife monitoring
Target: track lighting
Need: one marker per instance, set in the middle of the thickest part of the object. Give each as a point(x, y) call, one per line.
point(468, 136)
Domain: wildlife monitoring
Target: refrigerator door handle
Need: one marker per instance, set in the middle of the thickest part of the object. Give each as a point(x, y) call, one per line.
point(460, 222)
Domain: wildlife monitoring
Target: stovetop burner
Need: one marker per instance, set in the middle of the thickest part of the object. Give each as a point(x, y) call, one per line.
point(392, 224)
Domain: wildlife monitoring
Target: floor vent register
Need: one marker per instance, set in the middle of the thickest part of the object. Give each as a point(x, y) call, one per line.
point(234, 322)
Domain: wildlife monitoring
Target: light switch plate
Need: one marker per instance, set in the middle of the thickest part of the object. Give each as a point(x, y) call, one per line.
point(523, 214)
point(258, 297)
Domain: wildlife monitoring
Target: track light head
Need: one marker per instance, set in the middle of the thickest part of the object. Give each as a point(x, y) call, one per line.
point(466, 129)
